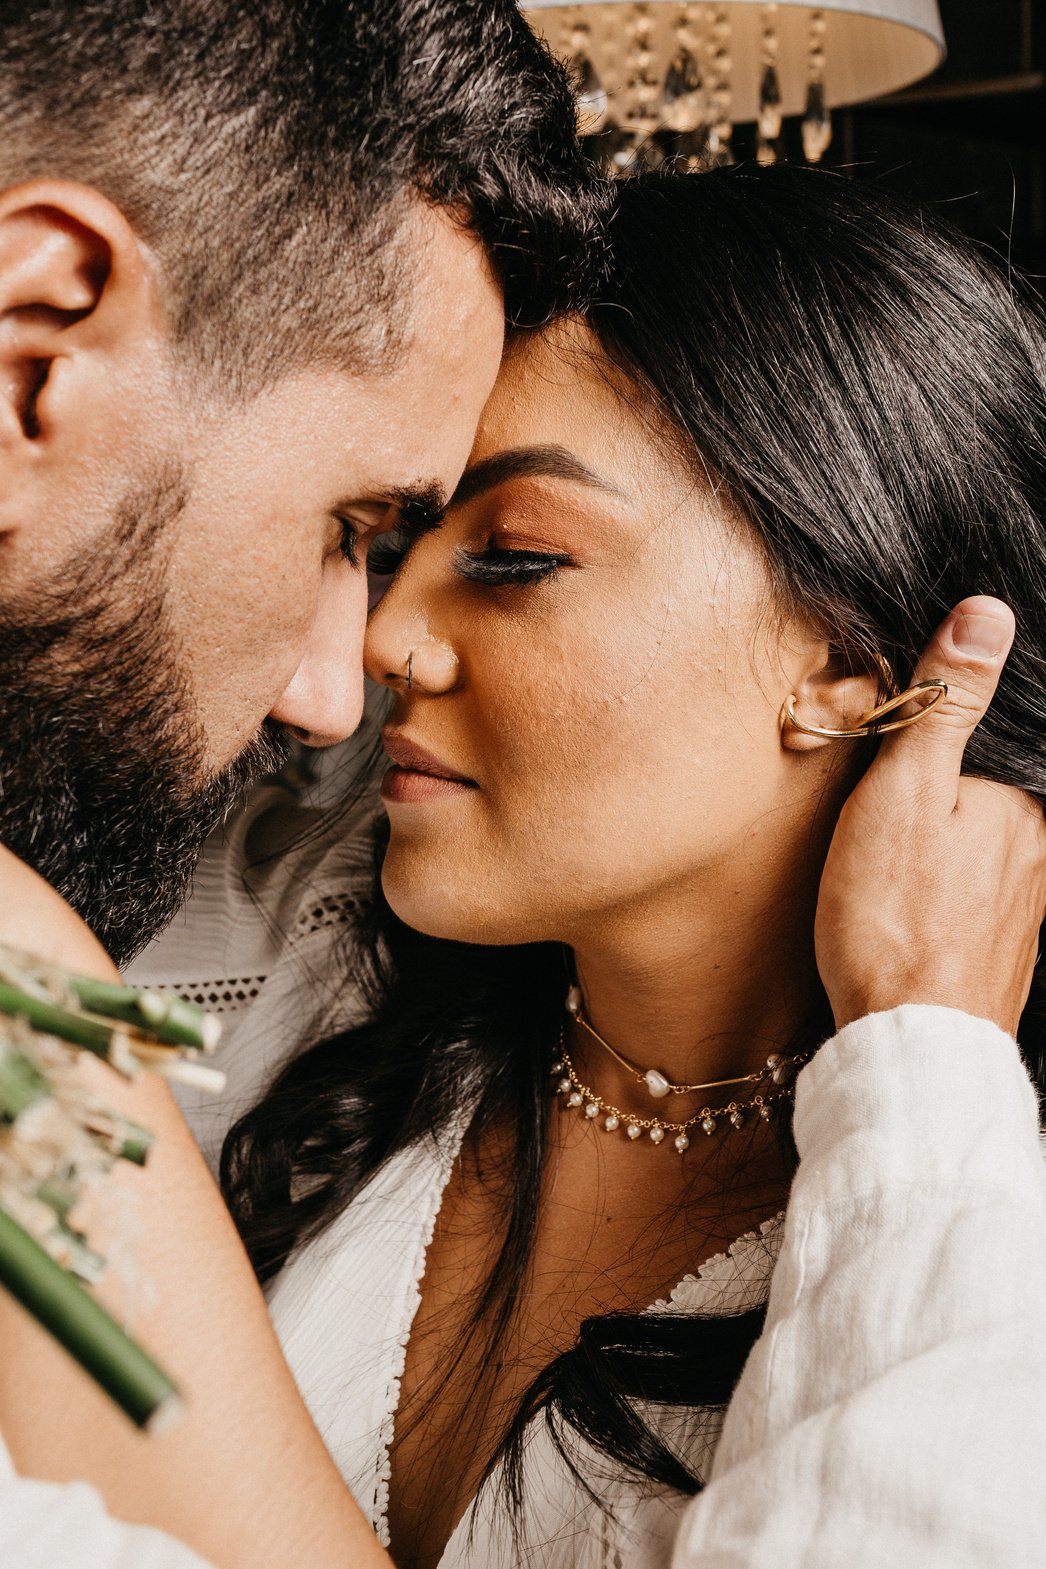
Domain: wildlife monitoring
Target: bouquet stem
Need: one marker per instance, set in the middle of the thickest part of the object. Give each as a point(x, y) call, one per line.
point(84, 1328)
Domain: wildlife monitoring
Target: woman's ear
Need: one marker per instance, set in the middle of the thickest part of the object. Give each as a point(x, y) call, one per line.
point(75, 292)
point(835, 688)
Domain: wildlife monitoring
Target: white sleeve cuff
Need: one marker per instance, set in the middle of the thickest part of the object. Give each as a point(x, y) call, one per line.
point(916, 1094)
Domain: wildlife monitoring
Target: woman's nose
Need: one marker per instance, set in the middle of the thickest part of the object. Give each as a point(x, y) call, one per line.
point(402, 651)
point(421, 663)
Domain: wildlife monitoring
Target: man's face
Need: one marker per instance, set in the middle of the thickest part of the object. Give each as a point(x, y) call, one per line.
point(174, 572)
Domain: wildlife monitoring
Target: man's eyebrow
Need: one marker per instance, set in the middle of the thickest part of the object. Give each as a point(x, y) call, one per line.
point(421, 507)
point(551, 462)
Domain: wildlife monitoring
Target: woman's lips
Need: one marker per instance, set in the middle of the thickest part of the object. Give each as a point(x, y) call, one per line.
point(416, 775)
point(409, 785)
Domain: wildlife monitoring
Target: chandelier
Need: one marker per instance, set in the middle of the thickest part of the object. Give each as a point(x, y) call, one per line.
point(655, 75)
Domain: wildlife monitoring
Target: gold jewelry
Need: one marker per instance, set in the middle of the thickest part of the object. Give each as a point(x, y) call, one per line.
point(870, 724)
point(578, 1096)
point(652, 1079)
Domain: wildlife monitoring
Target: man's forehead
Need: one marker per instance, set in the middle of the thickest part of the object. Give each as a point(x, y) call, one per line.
point(414, 419)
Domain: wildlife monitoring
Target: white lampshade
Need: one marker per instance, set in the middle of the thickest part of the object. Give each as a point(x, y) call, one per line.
point(872, 47)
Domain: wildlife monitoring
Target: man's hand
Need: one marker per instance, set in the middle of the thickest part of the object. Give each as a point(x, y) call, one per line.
point(934, 889)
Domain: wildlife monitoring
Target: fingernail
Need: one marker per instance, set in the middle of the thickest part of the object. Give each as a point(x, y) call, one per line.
point(981, 636)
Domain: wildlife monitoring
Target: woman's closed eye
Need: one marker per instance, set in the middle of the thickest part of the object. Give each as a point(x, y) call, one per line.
point(390, 549)
point(495, 564)
point(387, 553)
point(502, 567)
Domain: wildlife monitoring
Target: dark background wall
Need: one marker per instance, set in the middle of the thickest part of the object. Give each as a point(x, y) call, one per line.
point(972, 137)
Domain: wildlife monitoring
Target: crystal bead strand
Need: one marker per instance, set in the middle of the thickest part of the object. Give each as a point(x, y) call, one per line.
point(769, 129)
point(641, 116)
point(591, 95)
point(817, 121)
point(720, 94)
point(611, 70)
point(683, 95)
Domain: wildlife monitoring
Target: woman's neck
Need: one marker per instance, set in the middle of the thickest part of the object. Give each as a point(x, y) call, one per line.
point(703, 982)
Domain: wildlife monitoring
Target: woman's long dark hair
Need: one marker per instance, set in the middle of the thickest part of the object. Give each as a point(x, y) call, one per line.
point(870, 392)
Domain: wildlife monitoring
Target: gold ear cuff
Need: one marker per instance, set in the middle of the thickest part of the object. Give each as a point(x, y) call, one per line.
point(872, 722)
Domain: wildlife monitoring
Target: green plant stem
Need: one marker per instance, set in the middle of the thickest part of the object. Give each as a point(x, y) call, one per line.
point(169, 1019)
point(21, 1083)
point(49, 1019)
point(139, 1387)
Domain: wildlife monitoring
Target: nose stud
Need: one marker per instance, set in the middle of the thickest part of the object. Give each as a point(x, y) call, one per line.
point(438, 671)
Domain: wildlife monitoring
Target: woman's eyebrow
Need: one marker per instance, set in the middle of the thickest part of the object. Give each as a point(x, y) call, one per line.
point(549, 461)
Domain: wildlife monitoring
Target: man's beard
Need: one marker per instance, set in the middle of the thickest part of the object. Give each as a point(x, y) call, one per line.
point(103, 786)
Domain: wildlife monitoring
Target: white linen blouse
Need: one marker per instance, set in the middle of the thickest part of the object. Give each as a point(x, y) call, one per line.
point(343, 1307)
point(893, 1413)
point(868, 1410)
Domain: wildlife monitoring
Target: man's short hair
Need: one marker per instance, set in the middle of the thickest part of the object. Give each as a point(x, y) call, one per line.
point(266, 152)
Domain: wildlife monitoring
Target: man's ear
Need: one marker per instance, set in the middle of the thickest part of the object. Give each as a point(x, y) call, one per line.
point(833, 688)
point(76, 292)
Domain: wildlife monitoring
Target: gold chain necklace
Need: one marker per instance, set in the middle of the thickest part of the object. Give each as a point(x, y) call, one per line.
point(653, 1080)
point(779, 1071)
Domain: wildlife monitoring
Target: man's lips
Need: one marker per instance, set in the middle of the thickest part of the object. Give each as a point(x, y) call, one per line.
point(415, 773)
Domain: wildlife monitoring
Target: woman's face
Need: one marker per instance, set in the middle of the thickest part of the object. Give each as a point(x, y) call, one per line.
point(594, 653)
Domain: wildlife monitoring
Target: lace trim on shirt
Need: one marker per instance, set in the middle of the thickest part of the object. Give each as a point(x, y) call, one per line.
point(230, 994)
point(224, 996)
point(446, 1154)
point(742, 1273)
point(331, 909)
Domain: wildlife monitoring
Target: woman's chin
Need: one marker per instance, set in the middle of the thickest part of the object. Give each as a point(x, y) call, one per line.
point(439, 905)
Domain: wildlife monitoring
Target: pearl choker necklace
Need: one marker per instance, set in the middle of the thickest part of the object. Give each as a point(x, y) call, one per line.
point(779, 1072)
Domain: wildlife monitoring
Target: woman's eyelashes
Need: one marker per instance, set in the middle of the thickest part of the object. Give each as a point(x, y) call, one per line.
point(389, 551)
point(495, 564)
point(501, 567)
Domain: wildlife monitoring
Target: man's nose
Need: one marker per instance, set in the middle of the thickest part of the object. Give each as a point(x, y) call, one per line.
point(323, 702)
